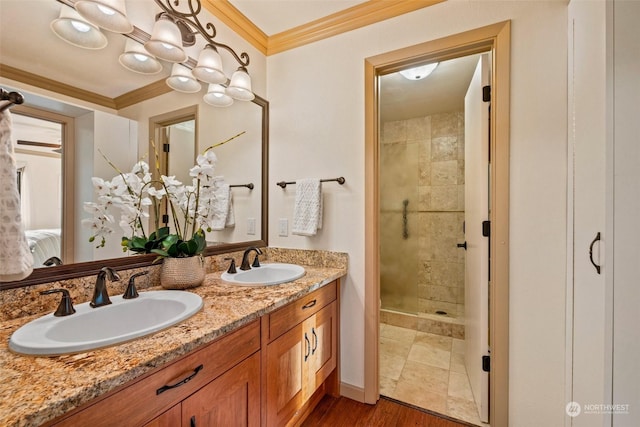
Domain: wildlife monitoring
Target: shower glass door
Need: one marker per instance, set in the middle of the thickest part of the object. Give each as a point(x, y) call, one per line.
point(401, 147)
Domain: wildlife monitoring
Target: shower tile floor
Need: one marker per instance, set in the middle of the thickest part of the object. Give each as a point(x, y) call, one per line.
point(426, 370)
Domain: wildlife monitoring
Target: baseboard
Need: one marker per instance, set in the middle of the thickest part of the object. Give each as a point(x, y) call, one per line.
point(352, 392)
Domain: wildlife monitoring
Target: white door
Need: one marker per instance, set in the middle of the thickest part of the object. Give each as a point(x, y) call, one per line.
point(626, 207)
point(476, 200)
point(586, 322)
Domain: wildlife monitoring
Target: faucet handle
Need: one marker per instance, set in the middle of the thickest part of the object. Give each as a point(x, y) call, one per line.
point(256, 262)
point(232, 267)
point(65, 307)
point(131, 291)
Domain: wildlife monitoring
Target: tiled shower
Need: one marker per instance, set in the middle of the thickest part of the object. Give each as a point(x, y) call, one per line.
point(421, 217)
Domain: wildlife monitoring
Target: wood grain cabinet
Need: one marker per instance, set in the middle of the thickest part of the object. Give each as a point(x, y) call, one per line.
point(299, 360)
point(193, 386)
point(270, 372)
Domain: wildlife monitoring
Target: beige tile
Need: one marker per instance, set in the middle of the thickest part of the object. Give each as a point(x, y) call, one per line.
point(444, 148)
point(437, 341)
point(387, 386)
point(417, 395)
point(400, 334)
point(419, 128)
point(464, 410)
point(401, 320)
point(393, 347)
point(457, 346)
point(457, 363)
point(430, 378)
point(430, 355)
point(444, 173)
point(457, 331)
point(391, 366)
point(434, 327)
point(394, 131)
point(445, 124)
point(459, 386)
point(461, 172)
point(444, 198)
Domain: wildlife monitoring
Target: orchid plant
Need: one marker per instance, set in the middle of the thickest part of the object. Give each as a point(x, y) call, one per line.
point(193, 207)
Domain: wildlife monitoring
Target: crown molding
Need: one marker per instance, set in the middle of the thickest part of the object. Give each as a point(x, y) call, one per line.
point(239, 23)
point(26, 77)
point(358, 16)
point(149, 91)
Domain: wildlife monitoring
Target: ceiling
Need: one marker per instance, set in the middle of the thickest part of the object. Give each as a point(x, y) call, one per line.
point(99, 71)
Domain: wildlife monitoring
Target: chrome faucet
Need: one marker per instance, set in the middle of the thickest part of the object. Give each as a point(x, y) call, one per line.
point(245, 258)
point(100, 294)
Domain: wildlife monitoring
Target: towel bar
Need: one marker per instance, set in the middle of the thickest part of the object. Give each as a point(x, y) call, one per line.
point(249, 185)
point(339, 180)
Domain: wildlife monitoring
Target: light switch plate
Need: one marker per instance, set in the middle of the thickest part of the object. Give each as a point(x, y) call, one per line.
point(283, 227)
point(251, 226)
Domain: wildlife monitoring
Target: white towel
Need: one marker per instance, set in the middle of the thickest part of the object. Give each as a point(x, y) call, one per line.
point(307, 211)
point(224, 215)
point(16, 261)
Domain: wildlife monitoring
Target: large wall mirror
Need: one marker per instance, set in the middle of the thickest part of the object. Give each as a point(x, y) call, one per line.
point(82, 133)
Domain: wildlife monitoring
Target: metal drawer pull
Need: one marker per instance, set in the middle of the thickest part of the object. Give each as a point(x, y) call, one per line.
point(597, 239)
point(307, 346)
point(193, 421)
point(315, 341)
point(181, 382)
point(309, 304)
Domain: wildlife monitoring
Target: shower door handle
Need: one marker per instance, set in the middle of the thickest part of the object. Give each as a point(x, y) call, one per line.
point(596, 266)
point(462, 245)
point(405, 226)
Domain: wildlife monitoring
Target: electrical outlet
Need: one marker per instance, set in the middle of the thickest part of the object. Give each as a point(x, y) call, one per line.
point(283, 227)
point(251, 226)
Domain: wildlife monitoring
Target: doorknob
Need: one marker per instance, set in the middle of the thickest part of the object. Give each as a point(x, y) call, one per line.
point(462, 245)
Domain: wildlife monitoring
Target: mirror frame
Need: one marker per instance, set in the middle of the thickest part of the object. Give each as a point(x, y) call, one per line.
point(73, 271)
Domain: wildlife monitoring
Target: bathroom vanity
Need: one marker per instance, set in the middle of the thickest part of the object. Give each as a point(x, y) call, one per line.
point(252, 356)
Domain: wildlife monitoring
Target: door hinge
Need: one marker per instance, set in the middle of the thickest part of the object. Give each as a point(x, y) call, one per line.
point(165, 219)
point(486, 93)
point(486, 363)
point(486, 228)
point(165, 148)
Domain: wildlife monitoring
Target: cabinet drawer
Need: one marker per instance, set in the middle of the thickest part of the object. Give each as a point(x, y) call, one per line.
point(152, 395)
point(283, 319)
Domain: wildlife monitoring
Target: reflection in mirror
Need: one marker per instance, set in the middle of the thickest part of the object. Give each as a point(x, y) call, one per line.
point(89, 134)
point(37, 146)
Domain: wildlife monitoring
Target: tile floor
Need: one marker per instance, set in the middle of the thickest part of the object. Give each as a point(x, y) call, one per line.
point(426, 370)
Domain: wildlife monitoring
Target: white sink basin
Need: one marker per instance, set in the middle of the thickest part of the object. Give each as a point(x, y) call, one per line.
point(91, 328)
point(265, 275)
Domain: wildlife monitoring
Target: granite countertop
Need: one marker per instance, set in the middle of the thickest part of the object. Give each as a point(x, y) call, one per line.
point(34, 390)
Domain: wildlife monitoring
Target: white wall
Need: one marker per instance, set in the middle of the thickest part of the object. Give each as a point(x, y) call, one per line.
point(317, 130)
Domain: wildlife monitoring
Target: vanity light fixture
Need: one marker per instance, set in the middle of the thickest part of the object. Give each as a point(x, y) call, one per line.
point(419, 73)
point(137, 59)
point(108, 14)
point(182, 80)
point(217, 97)
point(74, 29)
point(173, 30)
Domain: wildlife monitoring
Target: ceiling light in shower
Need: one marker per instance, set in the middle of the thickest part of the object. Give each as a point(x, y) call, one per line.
point(418, 73)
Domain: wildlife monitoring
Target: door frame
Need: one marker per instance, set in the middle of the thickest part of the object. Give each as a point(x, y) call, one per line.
point(497, 38)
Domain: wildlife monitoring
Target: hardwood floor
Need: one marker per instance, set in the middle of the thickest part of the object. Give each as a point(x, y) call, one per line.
point(344, 412)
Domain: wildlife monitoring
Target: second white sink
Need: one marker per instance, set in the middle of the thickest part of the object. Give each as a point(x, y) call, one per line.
point(265, 275)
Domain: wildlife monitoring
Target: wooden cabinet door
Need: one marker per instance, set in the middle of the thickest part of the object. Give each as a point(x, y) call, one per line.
point(323, 356)
point(170, 418)
point(231, 400)
point(284, 386)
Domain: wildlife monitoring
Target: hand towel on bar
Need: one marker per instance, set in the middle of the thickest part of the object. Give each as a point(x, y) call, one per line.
point(307, 210)
point(224, 215)
point(16, 261)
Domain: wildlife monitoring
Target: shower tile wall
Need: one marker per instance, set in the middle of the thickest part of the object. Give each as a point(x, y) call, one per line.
point(422, 160)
